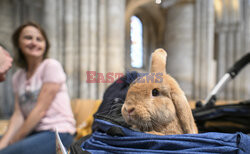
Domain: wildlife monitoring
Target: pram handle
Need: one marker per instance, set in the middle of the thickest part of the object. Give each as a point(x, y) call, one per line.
point(237, 67)
point(231, 73)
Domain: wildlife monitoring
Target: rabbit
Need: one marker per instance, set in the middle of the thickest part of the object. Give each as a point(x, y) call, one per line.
point(158, 106)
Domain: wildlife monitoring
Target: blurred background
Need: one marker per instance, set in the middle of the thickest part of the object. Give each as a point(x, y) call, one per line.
point(203, 39)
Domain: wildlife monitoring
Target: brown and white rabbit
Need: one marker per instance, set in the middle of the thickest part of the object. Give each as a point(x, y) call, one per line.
point(156, 104)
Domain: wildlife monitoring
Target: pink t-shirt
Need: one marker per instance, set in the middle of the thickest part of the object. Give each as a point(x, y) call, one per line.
point(59, 115)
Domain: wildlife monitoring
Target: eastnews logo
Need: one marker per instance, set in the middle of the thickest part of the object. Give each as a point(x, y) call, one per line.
point(110, 77)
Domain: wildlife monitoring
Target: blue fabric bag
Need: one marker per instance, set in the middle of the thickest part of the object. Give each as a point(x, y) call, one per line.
point(137, 142)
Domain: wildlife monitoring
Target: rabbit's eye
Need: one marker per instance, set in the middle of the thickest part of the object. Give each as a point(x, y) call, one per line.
point(155, 92)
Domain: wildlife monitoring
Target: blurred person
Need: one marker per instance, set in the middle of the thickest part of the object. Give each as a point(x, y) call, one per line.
point(5, 62)
point(42, 103)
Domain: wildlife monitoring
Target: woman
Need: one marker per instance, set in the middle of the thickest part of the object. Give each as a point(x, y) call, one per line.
point(42, 103)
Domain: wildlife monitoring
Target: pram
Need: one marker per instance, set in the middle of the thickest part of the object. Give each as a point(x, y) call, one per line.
point(229, 118)
point(112, 135)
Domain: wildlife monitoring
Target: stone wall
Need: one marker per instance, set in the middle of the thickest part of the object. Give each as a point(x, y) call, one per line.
point(85, 35)
point(93, 35)
point(6, 28)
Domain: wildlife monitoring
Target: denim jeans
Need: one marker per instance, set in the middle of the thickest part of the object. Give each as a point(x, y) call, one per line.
point(38, 143)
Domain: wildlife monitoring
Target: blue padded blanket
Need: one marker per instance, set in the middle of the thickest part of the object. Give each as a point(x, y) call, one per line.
point(137, 142)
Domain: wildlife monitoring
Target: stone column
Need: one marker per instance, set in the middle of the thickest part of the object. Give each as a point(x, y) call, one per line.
point(93, 48)
point(84, 48)
point(203, 66)
point(179, 44)
point(102, 37)
point(51, 26)
point(101, 42)
point(115, 36)
point(59, 19)
point(69, 44)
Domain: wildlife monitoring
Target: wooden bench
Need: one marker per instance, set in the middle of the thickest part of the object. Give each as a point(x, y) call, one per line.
point(83, 111)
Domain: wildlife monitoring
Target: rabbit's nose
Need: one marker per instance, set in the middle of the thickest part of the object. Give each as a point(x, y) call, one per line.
point(130, 110)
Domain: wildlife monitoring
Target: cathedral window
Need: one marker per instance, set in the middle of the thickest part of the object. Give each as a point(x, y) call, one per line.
point(136, 47)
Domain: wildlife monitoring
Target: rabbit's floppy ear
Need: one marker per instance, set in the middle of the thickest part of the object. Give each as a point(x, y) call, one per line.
point(158, 61)
point(183, 109)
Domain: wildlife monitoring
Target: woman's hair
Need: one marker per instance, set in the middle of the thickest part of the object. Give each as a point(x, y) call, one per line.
point(19, 56)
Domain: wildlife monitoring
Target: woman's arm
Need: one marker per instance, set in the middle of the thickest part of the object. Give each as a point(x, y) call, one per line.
point(45, 98)
point(15, 123)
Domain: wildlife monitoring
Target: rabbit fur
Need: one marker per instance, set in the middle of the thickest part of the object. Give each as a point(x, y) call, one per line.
point(158, 106)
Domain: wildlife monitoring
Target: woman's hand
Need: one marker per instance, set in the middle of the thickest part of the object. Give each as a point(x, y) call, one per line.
point(15, 123)
point(3, 144)
point(16, 138)
point(5, 63)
